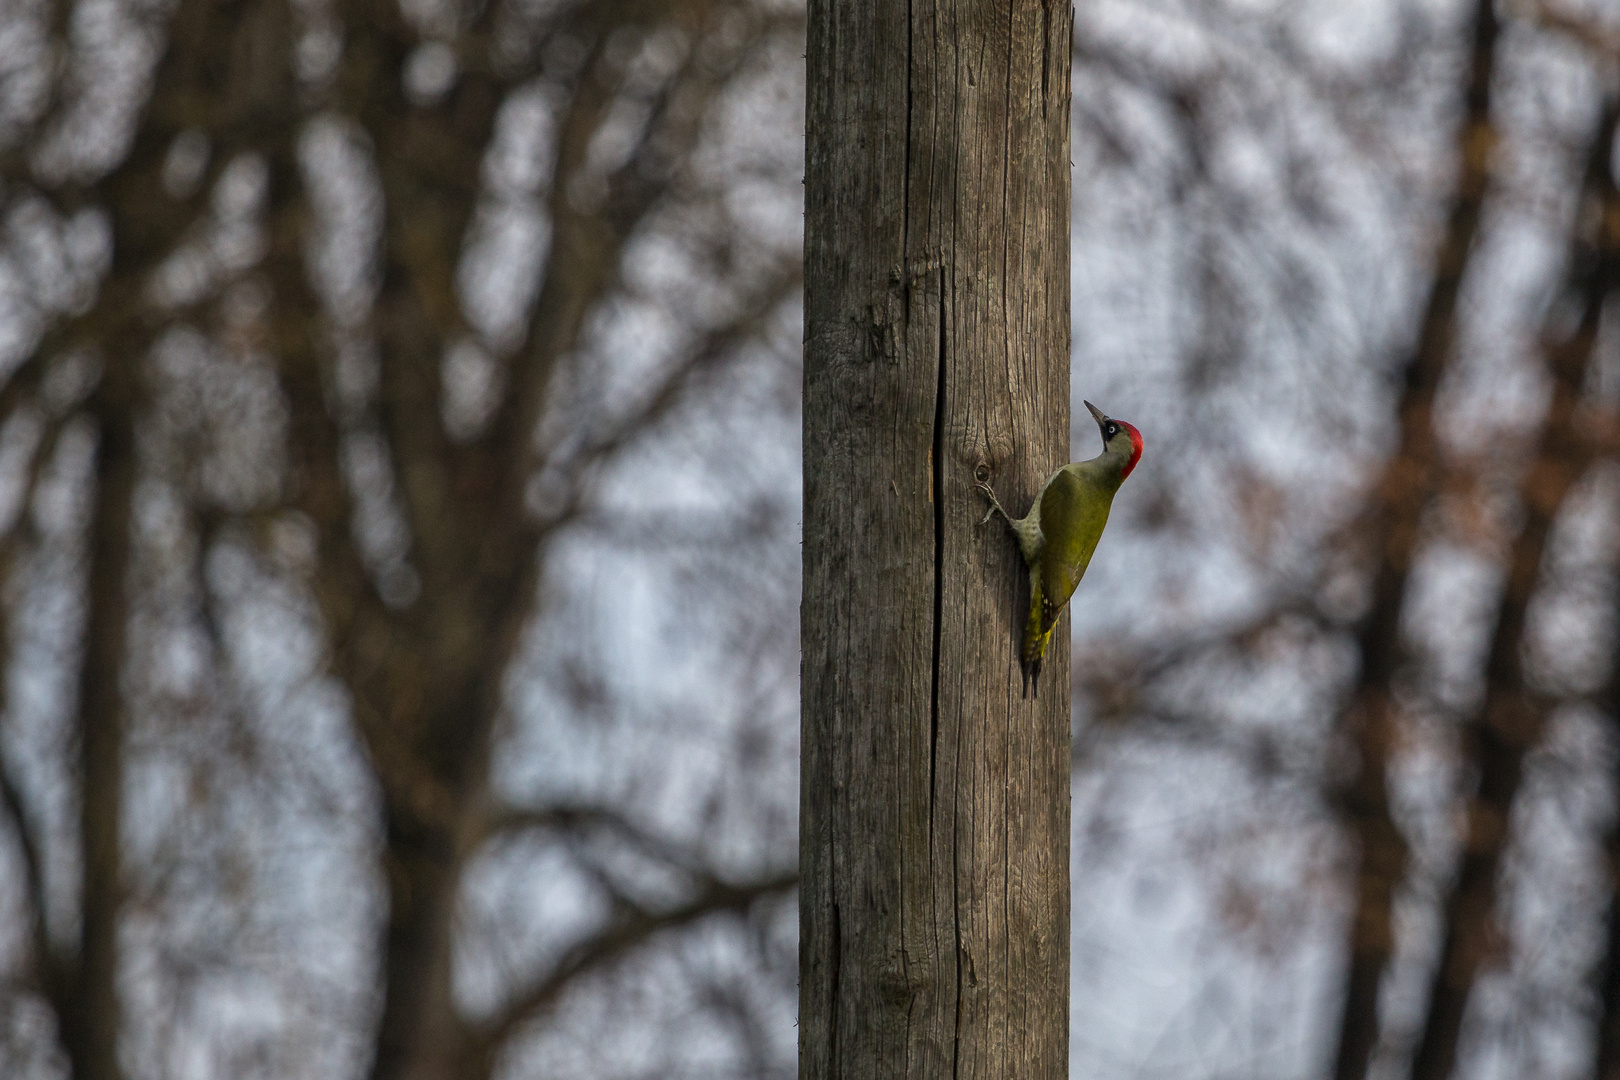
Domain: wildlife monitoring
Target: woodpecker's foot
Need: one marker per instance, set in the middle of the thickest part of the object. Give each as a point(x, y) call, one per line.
point(995, 503)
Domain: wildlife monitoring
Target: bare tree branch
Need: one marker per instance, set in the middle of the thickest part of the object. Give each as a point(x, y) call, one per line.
point(589, 448)
point(1602, 42)
point(33, 876)
point(605, 949)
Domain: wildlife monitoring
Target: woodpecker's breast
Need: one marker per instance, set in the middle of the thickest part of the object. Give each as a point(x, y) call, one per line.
point(1028, 530)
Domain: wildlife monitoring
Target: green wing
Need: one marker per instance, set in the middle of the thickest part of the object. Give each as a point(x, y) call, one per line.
point(1074, 510)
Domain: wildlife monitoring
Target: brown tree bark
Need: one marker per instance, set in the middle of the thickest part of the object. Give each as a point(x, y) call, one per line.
point(935, 803)
point(1391, 523)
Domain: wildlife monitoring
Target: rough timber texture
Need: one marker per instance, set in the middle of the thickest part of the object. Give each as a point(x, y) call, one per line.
point(935, 806)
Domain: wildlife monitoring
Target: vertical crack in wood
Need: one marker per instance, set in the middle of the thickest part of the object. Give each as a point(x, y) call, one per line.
point(833, 977)
point(1046, 52)
point(938, 481)
point(939, 616)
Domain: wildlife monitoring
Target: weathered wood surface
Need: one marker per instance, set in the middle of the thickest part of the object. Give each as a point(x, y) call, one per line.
point(935, 806)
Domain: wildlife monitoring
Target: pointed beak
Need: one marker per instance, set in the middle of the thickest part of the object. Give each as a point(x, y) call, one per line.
point(1097, 414)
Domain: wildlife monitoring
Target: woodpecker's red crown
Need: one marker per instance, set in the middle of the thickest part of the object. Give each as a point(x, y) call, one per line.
point(1136, 447)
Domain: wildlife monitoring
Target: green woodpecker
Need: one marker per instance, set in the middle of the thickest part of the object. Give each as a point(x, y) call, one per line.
point(1061, 531)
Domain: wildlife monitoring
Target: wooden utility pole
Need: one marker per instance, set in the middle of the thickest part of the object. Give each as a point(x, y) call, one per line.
point(935, 806)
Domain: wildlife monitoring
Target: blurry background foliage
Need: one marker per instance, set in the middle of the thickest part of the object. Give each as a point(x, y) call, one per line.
point(399, 486)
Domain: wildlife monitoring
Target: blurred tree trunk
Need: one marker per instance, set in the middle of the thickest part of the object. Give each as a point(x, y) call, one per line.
point(935, 807)
point(1513, 714)
point(1607, 982)
point(202, 84)
point(1390, 527)
point(90, 1014)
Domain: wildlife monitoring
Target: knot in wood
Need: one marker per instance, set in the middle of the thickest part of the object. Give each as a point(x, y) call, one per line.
point(903, 977)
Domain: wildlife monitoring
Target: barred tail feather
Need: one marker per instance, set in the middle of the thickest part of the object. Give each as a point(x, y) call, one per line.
point(1037, 631)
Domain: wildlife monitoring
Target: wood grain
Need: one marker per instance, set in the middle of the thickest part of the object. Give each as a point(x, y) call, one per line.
point(935, 805)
